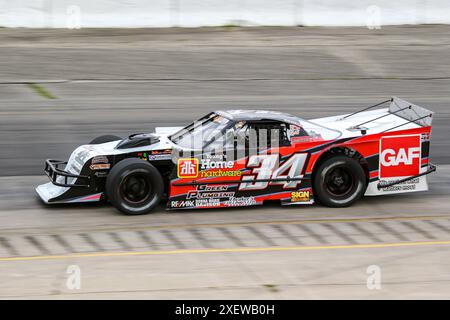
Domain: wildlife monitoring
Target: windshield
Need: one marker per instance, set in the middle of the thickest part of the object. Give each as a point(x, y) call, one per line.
point(201, 132)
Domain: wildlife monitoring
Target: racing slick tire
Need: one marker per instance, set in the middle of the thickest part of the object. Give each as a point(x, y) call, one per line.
point(339, 182)
point(134, 186)
point(104, 139)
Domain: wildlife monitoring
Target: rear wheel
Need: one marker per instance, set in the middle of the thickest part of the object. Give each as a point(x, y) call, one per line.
point(134, 186)
point(339, 182)
point(104, 139)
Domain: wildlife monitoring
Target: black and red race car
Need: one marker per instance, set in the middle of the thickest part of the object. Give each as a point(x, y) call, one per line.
point(245, 157)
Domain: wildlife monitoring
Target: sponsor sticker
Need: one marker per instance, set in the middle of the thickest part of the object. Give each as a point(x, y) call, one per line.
point(210, 192)
point(100, 166)
point(207, 203)
point(99, 159)
point(165, 154)
point(220, 173)
point(216, 164)
point(198, 203)
point(240, 201)
point(187, 168)
point(426, 136)
point(160, 155)
point(143, 155)
point(410, 185)
point(294, 130)
point(301, 139)
point(182, 203)
point(400, 156)
point(301, 196)
point(165, 151)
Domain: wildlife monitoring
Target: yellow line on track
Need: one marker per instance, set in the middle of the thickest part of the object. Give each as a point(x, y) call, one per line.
point(226, 250)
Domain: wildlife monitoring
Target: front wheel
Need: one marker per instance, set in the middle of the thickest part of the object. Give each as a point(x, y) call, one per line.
point(339, 182)
point(134, 186)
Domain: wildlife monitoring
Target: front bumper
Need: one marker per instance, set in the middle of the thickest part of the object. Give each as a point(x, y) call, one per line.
point(61, 178)
point(65, 186)
point(48, 192)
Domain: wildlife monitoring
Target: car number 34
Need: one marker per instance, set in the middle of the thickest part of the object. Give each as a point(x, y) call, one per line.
point(266, 171)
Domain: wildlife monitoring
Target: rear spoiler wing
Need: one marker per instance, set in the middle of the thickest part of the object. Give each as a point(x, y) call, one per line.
point(401, 108)
point(411, 112)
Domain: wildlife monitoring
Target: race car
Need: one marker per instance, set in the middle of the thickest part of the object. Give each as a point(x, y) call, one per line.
point(247, 157)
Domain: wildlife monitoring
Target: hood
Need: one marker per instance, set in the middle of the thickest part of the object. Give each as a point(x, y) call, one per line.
point(134, 143)
point(138, 140)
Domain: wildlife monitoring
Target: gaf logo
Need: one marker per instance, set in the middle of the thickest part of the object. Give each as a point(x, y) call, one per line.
point(187, 168)
point(400, 156)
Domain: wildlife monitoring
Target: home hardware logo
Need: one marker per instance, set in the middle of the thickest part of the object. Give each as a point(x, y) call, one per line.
point(187, 168)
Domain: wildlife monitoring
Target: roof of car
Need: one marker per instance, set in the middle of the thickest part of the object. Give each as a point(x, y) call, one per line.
point(241, 115)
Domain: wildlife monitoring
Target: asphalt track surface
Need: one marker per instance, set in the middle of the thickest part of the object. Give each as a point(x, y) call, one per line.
point(126, 81)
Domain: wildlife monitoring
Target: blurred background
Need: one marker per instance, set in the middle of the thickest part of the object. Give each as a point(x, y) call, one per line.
point(74, 70)
point(201, 13)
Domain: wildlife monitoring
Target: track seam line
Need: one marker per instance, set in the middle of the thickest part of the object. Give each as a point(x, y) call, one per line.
point(364, 232)
point(116, 237)
point(391, 231)
point(339, 233)
point(287, 234)
point(417, 229)
point(173, 239)
point(63, 243)
point(146, 238)
point(35, 242)
point(7, 245)
point(229, 235)
point(200, 238)
point(319, 238)
point(91, 241)
point(261, 236)
point(439, 226)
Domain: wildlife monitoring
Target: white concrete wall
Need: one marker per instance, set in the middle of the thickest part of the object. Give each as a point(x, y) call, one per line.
point(194, 13)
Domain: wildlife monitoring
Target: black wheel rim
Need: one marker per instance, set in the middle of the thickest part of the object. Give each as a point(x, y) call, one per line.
point(339, 181)
point(136, 188)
